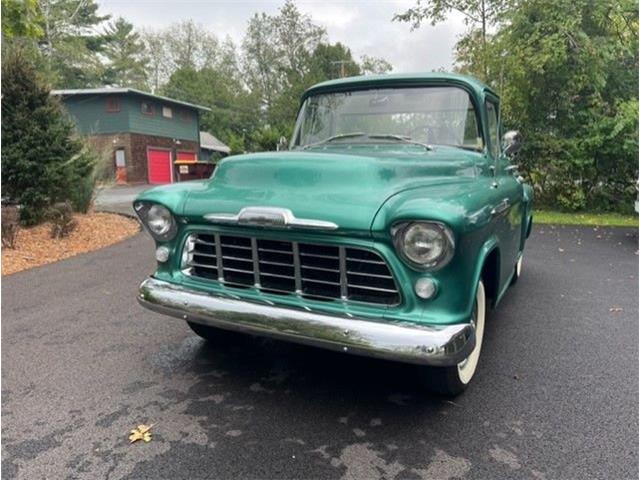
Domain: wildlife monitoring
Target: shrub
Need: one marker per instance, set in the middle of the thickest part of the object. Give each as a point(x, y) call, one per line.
point(10, 225)
point(43, 161)
point(62, 221)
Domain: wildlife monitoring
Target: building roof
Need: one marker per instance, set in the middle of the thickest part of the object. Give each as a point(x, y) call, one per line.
point(110, 91)
point(396, 79)
point(209, 142)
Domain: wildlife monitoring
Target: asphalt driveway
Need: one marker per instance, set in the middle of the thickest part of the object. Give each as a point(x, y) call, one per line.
point(118, 198)
point(555, 396)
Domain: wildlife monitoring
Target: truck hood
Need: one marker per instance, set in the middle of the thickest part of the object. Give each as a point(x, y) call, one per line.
point(347, 189)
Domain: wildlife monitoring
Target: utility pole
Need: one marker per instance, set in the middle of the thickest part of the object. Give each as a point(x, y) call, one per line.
point(342, 63)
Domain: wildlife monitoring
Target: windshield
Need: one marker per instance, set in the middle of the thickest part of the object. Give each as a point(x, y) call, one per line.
point(429, 115)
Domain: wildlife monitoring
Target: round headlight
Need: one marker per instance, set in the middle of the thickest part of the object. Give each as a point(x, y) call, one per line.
point(424, 245)
point(159, 219)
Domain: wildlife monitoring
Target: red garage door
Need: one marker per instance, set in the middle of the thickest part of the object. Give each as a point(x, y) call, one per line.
point(159, 166)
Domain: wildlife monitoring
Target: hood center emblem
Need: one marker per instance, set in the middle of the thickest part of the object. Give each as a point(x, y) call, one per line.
point(271, 217)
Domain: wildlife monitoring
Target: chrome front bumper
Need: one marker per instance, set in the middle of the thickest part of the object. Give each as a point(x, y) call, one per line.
point(403, 342)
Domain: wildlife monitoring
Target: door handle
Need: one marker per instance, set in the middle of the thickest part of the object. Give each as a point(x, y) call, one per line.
point(500, 207)
point(511, 168)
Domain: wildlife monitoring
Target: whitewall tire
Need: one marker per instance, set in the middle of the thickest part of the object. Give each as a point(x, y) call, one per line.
point(517, 271)
point(452, 381)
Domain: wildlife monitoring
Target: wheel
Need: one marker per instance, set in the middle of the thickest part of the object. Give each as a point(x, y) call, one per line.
point(517, 271)
point(451, 381)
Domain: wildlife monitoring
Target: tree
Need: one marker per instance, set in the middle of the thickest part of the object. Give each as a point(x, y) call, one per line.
point(124, 51)
point(42, 160)
point(71, 42)
point(374, 65)
point(277, 57)
point(479, 15)
point(156, 52)
point(21, 18)
point(570, 82)
point(332, 61)
point(189, 45)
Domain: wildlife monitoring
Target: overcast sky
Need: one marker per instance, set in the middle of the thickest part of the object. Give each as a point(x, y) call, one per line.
point(363, 25)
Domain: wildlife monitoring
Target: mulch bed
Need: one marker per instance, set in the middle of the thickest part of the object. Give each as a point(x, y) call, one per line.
point(95, 230)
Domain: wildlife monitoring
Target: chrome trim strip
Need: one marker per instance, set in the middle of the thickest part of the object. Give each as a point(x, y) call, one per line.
point(269, 217)
point(445, 345)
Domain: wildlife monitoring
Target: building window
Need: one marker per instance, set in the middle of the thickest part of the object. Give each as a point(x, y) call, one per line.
point(185, 116)
point(147, 108)
point(120, 158)
point(113, 104)
point(167, 112)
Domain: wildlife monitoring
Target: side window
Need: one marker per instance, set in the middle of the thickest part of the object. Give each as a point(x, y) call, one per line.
point(185, 116)
point(113, 104)
point(146, 108)
point(492, 114)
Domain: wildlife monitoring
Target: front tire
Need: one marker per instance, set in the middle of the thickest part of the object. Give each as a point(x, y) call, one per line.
point(451, 381)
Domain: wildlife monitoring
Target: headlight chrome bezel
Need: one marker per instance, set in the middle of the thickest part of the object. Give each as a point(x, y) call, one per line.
point(143, 209)
point(400, 229)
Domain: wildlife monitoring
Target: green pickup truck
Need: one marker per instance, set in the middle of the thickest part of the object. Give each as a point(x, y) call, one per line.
point(391, 224)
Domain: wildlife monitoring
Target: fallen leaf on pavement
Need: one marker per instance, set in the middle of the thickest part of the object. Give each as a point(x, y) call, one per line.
point(615, 309)
point(141, 432)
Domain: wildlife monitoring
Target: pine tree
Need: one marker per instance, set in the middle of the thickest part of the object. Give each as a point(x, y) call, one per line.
point(125, 55)
point(43, 162)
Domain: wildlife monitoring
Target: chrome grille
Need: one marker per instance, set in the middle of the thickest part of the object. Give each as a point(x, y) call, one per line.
point(322, 272)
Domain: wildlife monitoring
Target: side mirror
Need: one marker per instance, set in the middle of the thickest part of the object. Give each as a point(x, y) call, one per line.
point(282, 144)
point(511, 142)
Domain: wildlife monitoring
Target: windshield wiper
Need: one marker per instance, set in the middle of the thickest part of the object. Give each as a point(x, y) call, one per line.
point(401, 138)
point(463, 147)
point(335, 137)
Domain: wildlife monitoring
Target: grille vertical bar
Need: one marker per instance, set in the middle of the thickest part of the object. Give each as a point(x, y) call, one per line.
point(296, 267)
point(219, 258)
point(256, 262)
point(344, 288)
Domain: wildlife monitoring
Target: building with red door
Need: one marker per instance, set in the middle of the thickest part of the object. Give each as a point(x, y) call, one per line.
point(141, 137)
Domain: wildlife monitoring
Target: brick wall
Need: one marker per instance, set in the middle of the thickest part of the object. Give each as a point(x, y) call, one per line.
point(135, 146)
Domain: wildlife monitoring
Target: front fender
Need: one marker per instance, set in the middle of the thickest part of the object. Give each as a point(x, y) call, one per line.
point(172, 196)
point(490, 251)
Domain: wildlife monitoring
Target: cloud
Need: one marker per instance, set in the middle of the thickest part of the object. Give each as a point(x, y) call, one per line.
point(364, 26)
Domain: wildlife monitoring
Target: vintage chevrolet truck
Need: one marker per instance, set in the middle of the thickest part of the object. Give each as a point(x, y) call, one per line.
point(394, 220)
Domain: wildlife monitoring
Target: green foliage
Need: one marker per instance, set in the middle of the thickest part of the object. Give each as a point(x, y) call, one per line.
point(21, 18)
point(42, 160)
point(253, 91)
point(126, 61)
point(473, 50)
point(567, 72)
point(542, 217)
point(71, 44)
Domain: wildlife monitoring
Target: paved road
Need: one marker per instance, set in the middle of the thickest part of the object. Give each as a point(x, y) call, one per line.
point(118, 198)
point(556, 394)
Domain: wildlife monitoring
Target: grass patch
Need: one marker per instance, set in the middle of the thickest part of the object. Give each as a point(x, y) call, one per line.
point(582, 218)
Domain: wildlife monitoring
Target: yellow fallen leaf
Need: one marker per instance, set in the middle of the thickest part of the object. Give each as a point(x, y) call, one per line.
point(141, 432)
